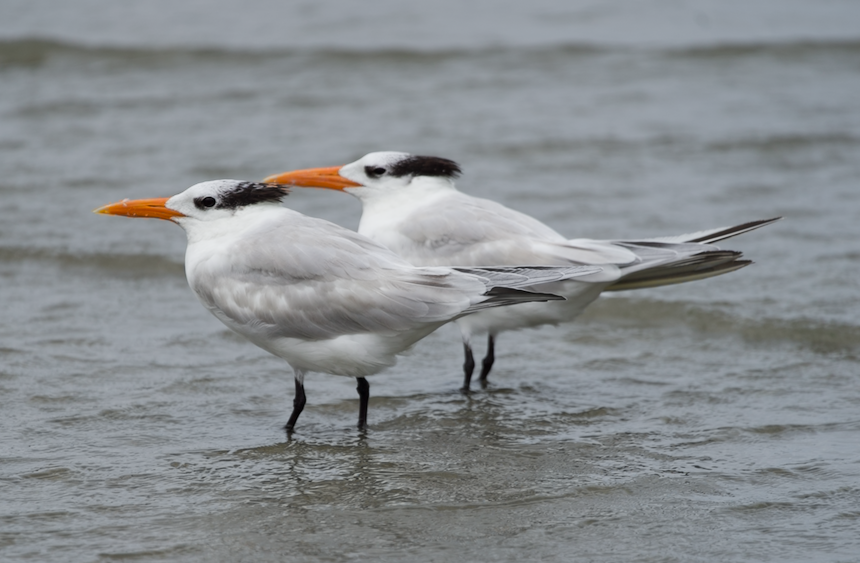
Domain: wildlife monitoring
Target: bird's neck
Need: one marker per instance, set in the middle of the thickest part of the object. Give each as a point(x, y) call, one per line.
point(244, 219)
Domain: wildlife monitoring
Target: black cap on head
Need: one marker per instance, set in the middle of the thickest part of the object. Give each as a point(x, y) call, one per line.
point(249, 193)
point(415, 165)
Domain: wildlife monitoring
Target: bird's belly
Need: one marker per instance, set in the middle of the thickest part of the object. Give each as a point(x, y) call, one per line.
point(352, 355)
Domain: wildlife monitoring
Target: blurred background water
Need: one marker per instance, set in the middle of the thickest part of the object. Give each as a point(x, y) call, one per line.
point(714, 421)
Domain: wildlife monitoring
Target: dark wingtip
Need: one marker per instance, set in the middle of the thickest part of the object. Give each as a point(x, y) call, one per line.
point(735, 230)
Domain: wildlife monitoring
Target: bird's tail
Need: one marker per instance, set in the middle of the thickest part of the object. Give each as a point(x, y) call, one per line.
point(716, 235)
point(682, 258)
point(693, 267)
point(507, 285)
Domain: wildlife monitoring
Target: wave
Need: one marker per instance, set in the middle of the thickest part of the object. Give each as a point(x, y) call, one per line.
point(788, 49)
point(122, 265)
point(776, 143)
point(37, 51)
point(611, 144)
point(819, 336)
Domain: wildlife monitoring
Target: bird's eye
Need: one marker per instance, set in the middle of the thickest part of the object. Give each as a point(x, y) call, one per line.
point(374, 171)
point(204, 202)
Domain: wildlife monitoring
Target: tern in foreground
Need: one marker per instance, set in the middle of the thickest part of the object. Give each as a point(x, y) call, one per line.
point(411, 206)
point(322, 297)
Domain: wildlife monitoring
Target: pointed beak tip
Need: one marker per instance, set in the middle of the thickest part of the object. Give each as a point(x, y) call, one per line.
point(106, 209)
point(154, 208)
point(313, 178)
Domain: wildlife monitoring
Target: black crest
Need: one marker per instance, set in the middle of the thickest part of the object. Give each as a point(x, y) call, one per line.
point(249, 193)
point(414, 165)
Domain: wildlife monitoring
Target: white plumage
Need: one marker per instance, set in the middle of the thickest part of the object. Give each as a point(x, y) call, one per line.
point(411, 206)
point(322, 297)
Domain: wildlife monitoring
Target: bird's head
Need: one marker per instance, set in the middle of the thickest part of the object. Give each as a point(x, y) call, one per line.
point(207, 201)
point(376, 173)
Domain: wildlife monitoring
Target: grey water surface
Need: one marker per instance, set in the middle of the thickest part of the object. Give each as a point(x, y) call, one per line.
point(712, 421)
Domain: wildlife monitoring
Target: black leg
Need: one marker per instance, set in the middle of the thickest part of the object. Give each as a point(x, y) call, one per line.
point(363, 389)
point(468, 367)
point(487, 364)
point(298, 406)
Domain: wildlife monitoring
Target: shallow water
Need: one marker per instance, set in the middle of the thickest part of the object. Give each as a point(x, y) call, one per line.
point(710, 421)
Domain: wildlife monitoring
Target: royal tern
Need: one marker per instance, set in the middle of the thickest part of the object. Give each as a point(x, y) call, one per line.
point(410, 205)
point(322, 297)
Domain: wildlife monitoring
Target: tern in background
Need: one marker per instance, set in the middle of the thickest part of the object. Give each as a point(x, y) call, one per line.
point(322, 297)
point(411, 206)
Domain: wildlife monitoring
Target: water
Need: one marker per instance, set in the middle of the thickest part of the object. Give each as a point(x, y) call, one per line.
point(710, 421)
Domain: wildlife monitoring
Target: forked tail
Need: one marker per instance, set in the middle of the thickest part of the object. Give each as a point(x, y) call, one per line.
point(683, 258)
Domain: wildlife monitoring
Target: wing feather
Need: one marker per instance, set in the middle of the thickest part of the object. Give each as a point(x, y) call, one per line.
point(312, 280)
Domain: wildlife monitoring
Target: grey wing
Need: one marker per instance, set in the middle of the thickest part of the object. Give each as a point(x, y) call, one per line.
point(508, 285)
point(459, 230)
point(524, 277)
point(313, 280)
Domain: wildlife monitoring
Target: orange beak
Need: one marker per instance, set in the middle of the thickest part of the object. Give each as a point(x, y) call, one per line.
point(141, 208)
point(314, 178)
